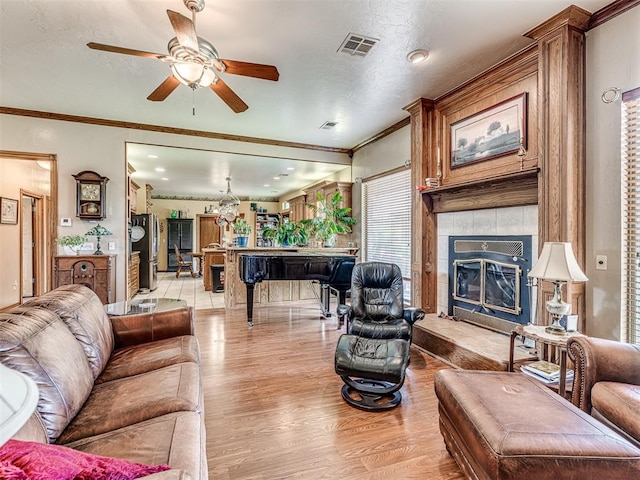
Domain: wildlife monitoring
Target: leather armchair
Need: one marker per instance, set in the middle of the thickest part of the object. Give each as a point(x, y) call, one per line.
point(373, 355)
point(377, 307)
point(607, 383)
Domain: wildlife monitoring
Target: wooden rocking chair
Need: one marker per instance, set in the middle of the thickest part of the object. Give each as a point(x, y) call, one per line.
point(182, 263)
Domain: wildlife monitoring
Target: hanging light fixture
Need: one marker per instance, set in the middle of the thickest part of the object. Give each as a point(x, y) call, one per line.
point(228, 206)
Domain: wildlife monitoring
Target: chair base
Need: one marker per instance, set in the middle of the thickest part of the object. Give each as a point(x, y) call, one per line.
point(379, 395)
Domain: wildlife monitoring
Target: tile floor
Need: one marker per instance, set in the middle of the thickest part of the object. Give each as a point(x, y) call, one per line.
point(187, 288)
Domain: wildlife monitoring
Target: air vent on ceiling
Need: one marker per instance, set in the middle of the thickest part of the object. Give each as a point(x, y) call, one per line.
point(328, 125)
point(359, 45)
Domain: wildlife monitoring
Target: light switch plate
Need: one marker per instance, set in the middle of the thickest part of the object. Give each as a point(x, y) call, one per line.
point(112, 245)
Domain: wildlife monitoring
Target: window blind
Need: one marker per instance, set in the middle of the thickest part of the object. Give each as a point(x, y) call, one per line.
point(386, 214)
point(631, 212)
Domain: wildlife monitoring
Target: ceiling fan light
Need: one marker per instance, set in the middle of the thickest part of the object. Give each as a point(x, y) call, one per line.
point(193, 74)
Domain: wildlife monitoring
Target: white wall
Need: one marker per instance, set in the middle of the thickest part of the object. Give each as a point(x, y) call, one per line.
point(613, 60)
point(102, 149)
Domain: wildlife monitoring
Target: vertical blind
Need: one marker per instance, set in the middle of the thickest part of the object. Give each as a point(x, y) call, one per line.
point(631, 212)
point(386, 214)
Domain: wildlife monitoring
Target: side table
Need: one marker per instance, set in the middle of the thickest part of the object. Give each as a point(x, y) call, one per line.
point(143, 305)
point(550, 344)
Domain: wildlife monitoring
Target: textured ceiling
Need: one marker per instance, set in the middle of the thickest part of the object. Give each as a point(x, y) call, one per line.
point(45, 64)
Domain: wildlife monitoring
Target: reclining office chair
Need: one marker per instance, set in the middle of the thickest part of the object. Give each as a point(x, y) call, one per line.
point(182, 263)
point(373, 355)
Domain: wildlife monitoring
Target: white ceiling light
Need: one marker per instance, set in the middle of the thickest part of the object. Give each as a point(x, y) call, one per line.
point(417, 56)
point(193, 74)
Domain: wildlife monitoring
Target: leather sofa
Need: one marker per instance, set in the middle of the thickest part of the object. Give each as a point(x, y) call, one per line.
point(607, 383)
point(127, 387)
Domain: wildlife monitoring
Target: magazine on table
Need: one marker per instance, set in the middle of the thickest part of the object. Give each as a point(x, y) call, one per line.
point(545, 371)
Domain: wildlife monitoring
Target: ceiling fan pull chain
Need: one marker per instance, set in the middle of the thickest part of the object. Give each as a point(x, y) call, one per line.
point(193, 101)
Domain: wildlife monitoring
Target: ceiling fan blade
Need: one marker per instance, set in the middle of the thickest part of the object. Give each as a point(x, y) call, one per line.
point(125, 51)
point(228, 96)
point(184, 29)
point(255, 70)
point(164, 89)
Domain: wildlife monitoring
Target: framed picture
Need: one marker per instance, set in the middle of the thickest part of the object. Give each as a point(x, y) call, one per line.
point(494, 132)
point(8, 211)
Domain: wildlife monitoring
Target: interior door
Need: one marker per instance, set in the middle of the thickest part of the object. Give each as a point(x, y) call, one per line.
point(209, 231)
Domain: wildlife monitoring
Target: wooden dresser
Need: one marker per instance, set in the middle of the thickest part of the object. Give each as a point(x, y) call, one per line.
point(98, 272)
point(134, 274)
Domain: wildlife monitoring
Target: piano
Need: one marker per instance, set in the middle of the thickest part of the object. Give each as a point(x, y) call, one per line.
point(332, 271)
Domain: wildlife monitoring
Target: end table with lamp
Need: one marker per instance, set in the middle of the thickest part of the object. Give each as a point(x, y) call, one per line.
point(556, 264)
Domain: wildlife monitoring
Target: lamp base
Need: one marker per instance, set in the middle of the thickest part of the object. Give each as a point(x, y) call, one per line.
point(555, 329)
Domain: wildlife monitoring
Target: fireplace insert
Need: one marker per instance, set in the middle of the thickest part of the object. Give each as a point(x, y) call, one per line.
point(488, 280)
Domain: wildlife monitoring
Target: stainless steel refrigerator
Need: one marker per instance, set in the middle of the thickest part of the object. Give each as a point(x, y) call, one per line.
point(145, 234)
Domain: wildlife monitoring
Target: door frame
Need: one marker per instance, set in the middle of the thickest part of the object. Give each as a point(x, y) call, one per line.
point(37, 236)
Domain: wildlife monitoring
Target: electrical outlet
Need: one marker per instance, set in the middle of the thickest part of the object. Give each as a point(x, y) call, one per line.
point(112, 245)
point(601, 262)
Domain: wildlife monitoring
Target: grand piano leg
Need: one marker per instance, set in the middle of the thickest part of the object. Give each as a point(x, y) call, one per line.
point(250, 287)
point(325, 299)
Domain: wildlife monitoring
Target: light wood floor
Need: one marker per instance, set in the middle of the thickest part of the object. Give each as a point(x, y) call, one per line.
point(274, 411)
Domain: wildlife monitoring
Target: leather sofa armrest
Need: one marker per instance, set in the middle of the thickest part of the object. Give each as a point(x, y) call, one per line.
point(413, 314)
point(597, 360)
point(147, 327)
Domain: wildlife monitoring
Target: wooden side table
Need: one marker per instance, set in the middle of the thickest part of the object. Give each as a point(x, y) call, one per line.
point(553, 347)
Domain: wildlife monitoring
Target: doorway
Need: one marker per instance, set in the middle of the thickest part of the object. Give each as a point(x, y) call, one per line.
point(28, 245)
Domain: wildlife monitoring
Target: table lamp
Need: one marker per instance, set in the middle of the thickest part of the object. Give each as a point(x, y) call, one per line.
point(98, 231)
point(557, 264)
point(18, 400)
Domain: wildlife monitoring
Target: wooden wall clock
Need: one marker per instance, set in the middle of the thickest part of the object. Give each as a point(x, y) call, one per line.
point(91, 194)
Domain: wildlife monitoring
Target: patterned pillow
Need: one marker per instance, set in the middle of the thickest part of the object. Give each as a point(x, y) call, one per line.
point(40, 461)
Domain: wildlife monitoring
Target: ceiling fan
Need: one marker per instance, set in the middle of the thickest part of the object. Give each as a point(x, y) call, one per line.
point(195, 62)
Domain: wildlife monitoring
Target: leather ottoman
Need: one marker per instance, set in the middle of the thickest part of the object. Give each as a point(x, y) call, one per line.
point(500, 425)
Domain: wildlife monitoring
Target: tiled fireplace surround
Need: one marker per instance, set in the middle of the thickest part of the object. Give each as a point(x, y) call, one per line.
point(521, 220)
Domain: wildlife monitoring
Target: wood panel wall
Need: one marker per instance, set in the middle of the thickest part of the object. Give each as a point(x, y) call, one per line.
point(551, 174)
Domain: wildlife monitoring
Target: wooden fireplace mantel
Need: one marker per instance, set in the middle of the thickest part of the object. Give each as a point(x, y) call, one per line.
point(514, 189)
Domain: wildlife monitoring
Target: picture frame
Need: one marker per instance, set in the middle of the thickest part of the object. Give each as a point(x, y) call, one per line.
point(8, 211)
point(494, 132)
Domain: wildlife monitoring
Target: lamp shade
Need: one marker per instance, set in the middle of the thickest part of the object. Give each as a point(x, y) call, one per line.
point(18, 400)
point(98, 231)
point(557, 262)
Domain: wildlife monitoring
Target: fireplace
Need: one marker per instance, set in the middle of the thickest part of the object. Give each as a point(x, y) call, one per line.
point(488, 280)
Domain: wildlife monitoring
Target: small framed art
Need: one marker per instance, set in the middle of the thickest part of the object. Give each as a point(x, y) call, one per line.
point(8, 211)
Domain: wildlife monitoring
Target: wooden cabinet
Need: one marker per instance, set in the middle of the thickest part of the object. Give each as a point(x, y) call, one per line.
point(97, 272)
point(179, 233)
point(132, 192)
point(298, 209)
point(134, 274)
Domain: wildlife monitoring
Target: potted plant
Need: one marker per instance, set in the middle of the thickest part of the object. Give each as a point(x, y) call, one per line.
point(71, 242)
point(330, 218)
point(287, 233)
point(242, 229)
